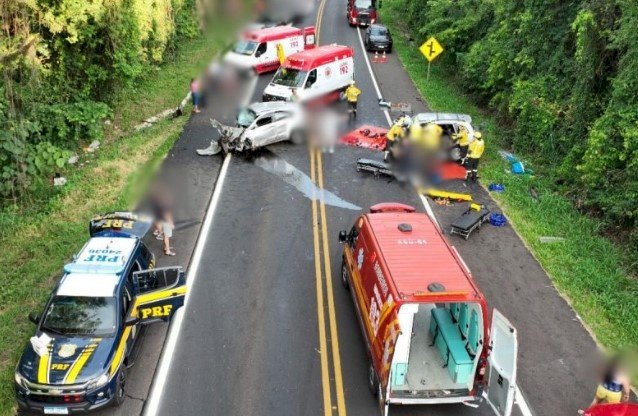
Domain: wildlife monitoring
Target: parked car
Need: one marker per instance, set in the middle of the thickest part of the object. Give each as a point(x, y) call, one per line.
point(378, 39)
point(262, 124)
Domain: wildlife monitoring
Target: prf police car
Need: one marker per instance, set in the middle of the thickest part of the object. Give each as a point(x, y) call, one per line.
point(85, 338)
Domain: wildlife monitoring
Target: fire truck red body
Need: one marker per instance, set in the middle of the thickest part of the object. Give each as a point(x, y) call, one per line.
point(428, 333)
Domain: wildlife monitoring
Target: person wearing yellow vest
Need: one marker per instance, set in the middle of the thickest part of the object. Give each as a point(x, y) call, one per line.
point(432, 133)
point(475, 151)
point(463, 141)
point(395, 135)
point(352, 96)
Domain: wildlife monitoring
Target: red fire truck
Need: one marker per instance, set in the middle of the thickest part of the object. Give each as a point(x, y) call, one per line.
point(425, 322)
point(361, 12)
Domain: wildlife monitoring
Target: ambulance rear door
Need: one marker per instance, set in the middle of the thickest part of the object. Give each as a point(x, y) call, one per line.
point(501, 384)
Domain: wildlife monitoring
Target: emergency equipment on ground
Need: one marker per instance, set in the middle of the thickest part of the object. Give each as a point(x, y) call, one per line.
point(257, 49)
point(452, 196)
point(321, 73)
point(366, 136)
point(376, 167)
point(469, 221)
point(429, 336)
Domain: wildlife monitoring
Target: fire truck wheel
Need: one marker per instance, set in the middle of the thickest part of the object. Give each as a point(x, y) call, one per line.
point(120, 388)
point(373, 381)
point(344, 275)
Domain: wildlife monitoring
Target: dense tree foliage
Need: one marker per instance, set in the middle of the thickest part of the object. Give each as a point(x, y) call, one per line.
point(62, 63)
point(563, 76)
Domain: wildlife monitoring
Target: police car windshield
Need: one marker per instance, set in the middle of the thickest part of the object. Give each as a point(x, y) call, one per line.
point(81, 316)
point(245, 47)
point(289, 77)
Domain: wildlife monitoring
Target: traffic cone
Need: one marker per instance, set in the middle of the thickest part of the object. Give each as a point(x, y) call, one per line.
point(376, 57)
point(384, 58)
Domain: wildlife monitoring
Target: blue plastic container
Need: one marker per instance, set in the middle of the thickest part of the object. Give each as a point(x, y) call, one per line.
point(498, 220)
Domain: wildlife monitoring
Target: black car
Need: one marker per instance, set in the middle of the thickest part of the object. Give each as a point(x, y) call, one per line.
point(378, 38)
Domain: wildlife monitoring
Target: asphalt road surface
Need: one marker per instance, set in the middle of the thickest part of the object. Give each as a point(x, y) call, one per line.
point(268, 329)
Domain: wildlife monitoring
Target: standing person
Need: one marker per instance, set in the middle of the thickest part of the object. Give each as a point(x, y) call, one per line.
point(614, 386)
point(475, 151)
point(163, 216)
point(352, 96)
point(463, 141)
point(195, 94)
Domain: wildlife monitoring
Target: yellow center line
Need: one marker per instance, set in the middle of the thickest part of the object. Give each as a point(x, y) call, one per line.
point(336, 357)
point(323, 346)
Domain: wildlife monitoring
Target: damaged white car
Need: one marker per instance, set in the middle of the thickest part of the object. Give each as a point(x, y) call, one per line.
point(259, 125)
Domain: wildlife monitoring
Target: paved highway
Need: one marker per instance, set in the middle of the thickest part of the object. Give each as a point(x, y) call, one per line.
point(268, 329)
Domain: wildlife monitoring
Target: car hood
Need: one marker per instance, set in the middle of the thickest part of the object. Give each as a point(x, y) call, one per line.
point(70, 360)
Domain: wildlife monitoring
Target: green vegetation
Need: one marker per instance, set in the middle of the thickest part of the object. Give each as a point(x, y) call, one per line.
point(586, 267)
point(45, 226)
point(561, 80)
point(64, 65)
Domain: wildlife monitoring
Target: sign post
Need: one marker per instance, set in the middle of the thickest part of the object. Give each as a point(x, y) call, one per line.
point(431, 49)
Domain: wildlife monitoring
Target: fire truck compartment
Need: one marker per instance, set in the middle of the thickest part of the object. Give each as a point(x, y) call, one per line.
point(439, 347)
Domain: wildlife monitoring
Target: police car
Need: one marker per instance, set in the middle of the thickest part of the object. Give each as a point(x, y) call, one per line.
point(85, 338)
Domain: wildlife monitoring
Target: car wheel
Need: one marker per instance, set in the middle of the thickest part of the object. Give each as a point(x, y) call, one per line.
point(390, 49)
point(373, 380)
point(120, 388)
point(344, 274)
point(297, 137)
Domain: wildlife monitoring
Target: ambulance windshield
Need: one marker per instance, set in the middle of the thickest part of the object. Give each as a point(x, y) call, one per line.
point(289, 77)
point(78, 316)
point(245, 47)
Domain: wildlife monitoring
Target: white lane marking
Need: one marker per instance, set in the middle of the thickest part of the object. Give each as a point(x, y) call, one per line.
point(152, 405)
point(374, 79)
point(520, 399)
point(426, 205)
point(522, 403)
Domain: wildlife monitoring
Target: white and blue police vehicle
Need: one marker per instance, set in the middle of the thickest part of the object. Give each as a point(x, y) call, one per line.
point(86, 336)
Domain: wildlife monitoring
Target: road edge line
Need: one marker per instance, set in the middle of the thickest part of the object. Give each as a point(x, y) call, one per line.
point(151, 405)
point(520, 398)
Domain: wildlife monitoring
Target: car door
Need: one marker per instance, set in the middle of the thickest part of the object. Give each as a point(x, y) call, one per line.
point(501, 383)
point(260, 132)
point(158, 294)
point(280, 124)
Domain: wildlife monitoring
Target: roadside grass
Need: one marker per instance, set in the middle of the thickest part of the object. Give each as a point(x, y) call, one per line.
point(165, 86)
point(40, 233)
point(587, 269)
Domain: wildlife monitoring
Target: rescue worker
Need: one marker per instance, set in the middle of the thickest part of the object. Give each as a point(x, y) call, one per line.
point(463, 141)
point(352, 96)
point(475, 151)
point(395, 135)
point(431, 139)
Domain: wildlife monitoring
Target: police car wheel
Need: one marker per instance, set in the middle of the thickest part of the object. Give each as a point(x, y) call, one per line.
point(120, 388)
point(373, 381)
point(344, 275)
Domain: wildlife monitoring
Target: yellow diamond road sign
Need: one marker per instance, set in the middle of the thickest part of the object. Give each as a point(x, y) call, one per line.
point(431, 48)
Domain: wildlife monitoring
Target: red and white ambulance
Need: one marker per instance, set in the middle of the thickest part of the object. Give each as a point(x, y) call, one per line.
point(429, 335)
point(257, 48)
point(320, 73)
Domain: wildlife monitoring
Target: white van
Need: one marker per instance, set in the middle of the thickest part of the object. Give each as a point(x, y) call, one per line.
point(319, 73)
point(257, 49)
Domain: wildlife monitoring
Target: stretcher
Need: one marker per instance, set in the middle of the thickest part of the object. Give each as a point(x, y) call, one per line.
point(469, 221)
point(452, 196)
point(376, 167)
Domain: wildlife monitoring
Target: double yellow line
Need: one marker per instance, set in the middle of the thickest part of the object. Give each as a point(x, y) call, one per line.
point(325, 304)
point(325, 301)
